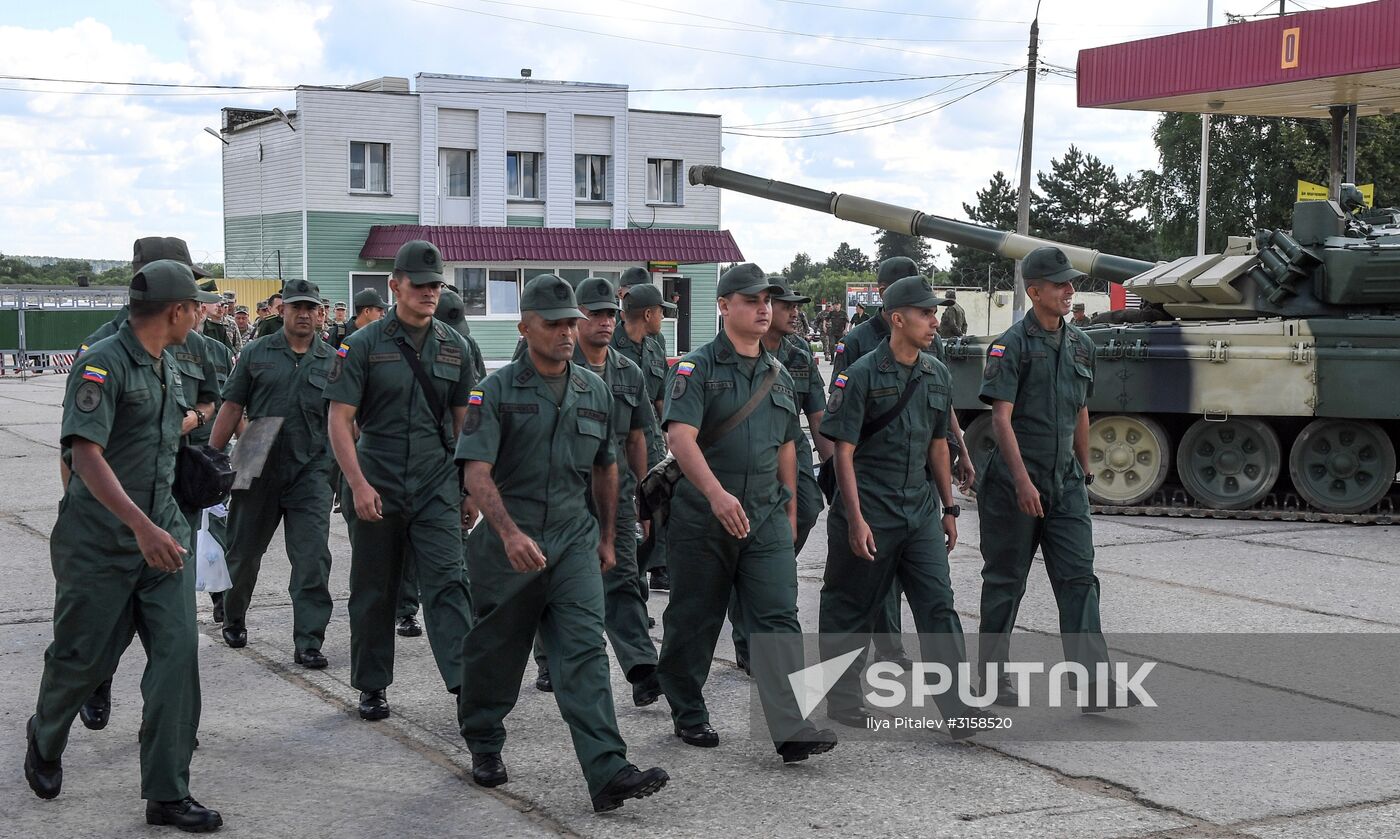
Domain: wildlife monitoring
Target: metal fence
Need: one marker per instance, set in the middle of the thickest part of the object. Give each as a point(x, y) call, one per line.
point(42, 327)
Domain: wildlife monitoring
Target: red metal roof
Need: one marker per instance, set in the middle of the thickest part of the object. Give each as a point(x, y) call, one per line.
point(556, 244)
point(1296, 65)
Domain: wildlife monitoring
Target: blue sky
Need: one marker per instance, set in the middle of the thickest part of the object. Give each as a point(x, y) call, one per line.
point(91, 173)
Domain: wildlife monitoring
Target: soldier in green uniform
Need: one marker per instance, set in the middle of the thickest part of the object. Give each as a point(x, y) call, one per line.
point(1038, 378)
point(404, 380)
point(200, 383)
point(785, 342)
point(283, 375)
point(220, 358)
point(643, 311)
point(735, 510)
point(273, 321)
point(637, 276)
point(119, 549)
point(884, 521)
point(538, 433)
point(859, 341)
point(953, 324)
point(625, 610)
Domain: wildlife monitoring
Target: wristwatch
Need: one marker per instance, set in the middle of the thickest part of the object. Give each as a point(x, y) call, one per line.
point(1088, 478)
point(952, 510)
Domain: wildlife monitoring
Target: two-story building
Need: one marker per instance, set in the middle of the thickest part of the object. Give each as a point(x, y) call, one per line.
point(508, 177)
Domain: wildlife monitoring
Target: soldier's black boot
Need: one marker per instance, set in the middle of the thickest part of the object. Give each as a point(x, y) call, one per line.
point(187, 814)
point(97, 710)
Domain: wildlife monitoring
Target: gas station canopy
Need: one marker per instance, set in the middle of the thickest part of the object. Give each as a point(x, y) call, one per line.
point(1293, 66)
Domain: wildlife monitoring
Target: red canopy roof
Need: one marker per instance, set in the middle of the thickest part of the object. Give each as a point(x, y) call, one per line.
point(556, 244)
point(1296, 66)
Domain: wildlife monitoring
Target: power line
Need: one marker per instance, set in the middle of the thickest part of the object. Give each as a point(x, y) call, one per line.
point(835, 119)
point(1002, 77)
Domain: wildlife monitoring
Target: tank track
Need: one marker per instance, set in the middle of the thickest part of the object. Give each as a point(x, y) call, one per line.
point(1176, 502)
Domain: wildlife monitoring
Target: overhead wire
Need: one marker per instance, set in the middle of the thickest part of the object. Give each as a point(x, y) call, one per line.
point(857, 115)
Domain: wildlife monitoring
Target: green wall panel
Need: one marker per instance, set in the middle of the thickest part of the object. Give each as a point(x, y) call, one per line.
point(252, 245)
point(333, 242)
point(592, 222)
point(524, 221)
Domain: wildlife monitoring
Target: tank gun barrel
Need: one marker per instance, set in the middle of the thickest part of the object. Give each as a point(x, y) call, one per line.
point(916, 223)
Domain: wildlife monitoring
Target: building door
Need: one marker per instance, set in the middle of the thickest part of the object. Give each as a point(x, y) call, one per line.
point(677, 290)
point(454, 186)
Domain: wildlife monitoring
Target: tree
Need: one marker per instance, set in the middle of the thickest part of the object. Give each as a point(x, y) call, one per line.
point(829, 285)
point(996, 207)
point(801, 268)
point(889, 244)
point(1083, 202)
point(849, 259)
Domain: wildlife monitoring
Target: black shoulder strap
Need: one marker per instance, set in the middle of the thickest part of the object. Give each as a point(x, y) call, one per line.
point(709, 437)
point(429, 392)
point(878, 424)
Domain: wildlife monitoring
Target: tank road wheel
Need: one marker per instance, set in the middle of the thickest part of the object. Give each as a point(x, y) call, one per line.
point(1342, 466)
point(1229, 465)
point(1130, 456)
point(980, 442)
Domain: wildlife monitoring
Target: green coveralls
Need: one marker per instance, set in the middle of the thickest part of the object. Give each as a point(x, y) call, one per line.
point(404, 454)
point(860, 341)
point(1048, 377)
point(706, 388)
point(625, 608)
point(103, 587)
point(810, 392)
point(901, 506)
point(542, 453)
point(651, 358)
point(271, 380)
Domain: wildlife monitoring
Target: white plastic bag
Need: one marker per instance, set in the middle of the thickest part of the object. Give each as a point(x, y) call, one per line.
point(210, 569)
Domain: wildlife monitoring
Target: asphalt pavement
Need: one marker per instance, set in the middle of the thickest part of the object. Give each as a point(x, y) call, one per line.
point(283, 753)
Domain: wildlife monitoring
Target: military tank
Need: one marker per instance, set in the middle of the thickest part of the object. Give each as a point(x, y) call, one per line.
point(1283, 350)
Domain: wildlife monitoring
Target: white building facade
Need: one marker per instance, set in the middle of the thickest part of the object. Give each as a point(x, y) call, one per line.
point(508, 177)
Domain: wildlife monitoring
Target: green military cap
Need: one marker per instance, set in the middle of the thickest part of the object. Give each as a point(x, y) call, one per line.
point(745, 279)
point(596, 294)
point(209, 286)
point(1078, 307)
point(452, 311)
point(549, 297)
point(300, 291)
point(912, 291)
point(369, 299)
point(150, 248)
point(241, 310)
point(421, 260)
point(230, 296)
point(634, 276)
point(1049, 263)
point(895, 268)
point(644, 297)
point(340, 304)
point(166, 281)
point(787, 295)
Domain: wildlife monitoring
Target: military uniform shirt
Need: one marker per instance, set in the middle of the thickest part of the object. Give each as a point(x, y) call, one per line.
point(866, 337)
point(543, 453)
point(404, 449)
point(809, 390)
point(648, 356)
point(892, 464)
point(630, 411)
point(201, 379)
point(1048, 377)
point(706, 388)
point(270, 380)
point(115, 397)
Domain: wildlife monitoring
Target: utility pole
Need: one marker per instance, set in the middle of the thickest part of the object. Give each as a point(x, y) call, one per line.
point(1023, 204)
point(1205, 160)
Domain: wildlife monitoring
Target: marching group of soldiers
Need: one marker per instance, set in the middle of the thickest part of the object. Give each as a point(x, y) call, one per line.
point(393, 412)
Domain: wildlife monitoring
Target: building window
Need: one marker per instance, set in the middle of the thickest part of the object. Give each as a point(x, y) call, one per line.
point(379, 282)
point(664, 181)
point(369, 167)
point(591, 177)
point(489, 292)
point(523, 174)
point(574, 275)
point(456, 172)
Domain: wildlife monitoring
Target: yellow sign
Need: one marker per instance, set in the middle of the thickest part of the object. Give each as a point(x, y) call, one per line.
point(1309, 191)
point(662, 267)
point(1288, 55)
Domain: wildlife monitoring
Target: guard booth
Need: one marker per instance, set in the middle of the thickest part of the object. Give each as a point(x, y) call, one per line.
point(41, 327)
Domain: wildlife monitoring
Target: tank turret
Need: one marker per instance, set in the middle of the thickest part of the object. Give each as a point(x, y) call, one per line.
point(1281, 350)
point(1333, 263)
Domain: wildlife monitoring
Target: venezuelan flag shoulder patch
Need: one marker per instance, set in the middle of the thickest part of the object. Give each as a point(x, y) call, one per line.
point(840, 380)
point(685, 368)
point(840, 348)
point(997, 350)
point(343, 350)
point(475, 397)
point(94, 374)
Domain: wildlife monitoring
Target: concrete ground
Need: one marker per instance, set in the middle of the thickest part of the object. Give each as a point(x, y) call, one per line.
point(284, 754)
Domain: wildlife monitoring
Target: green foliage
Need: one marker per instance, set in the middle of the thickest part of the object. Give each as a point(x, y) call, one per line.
point(1082, 201)
point(65, 272)
point(889, 244)
point(800, 269)
point(995, 207)
point(830, 284)
point(847, 258)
